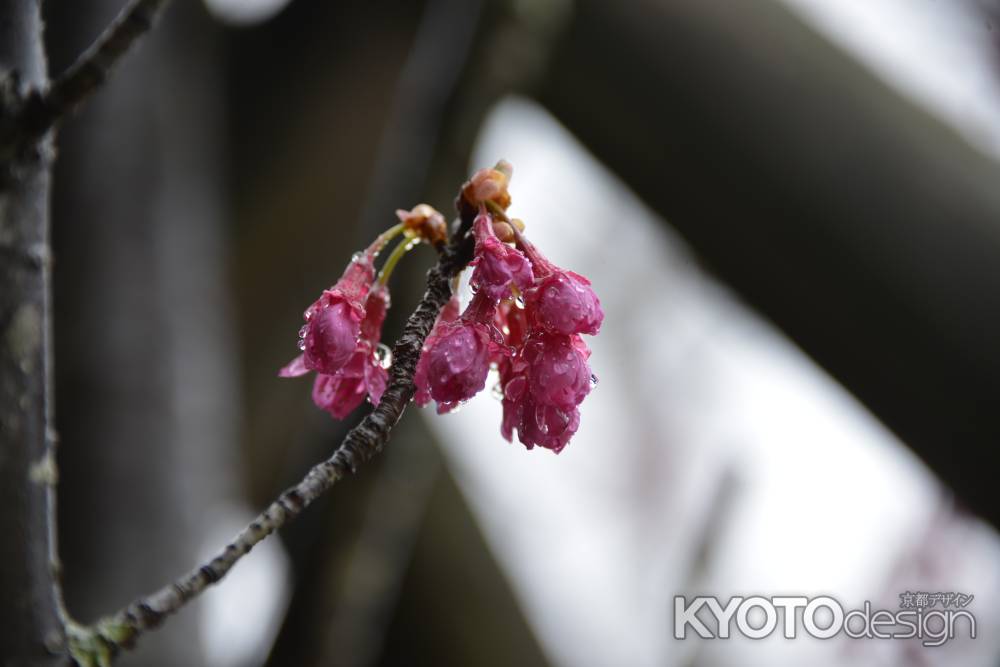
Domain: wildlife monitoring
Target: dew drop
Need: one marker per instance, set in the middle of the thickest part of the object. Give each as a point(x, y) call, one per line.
point(302, 344)
point(356, 257)
point(593, 380)
point(384, 355)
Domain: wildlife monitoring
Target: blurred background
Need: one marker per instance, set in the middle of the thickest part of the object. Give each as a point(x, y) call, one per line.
point(789, 208)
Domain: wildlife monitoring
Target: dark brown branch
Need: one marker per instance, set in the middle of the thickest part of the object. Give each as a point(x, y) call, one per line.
point(42, 111)
point(361, 443)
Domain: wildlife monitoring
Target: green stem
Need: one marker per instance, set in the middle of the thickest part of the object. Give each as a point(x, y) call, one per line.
point(397, 254)
point(388, 235)
point(496, 210)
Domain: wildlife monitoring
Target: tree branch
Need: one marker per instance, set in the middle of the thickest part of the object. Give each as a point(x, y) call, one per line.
point(32, 614)
point(43, 110)
point(121, 629)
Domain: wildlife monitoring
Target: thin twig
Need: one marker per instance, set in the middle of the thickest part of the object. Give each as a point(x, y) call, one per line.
point(84, 77)
point(361, 443)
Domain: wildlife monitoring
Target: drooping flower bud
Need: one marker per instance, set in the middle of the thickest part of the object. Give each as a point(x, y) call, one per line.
point(340, 393)
point(564, 303)
point(458, 360)
point(333, 321)
point(560, 301)
point(536, 424)
point(497, 265)
point(363, 374)
point(558, 373)
point(424, 222)
point(331, 335)
point(447, 315)
point(486, 185)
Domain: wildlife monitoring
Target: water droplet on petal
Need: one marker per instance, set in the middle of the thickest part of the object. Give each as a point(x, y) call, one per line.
point(593, 380)
point(302, 344)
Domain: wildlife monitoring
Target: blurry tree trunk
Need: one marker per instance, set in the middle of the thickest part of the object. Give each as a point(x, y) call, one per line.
point(29, 612)
point(146, 379)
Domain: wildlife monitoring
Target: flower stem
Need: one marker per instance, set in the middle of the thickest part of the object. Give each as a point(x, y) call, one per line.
point(497, 210)
point(387, 236)
point(397, 254)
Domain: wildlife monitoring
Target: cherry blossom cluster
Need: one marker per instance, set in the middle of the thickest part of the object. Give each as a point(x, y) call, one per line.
point(340, 340)
point(525, 319)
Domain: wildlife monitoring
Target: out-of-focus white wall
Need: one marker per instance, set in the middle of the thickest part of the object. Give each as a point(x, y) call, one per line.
point(943, 54)
point(712, 458)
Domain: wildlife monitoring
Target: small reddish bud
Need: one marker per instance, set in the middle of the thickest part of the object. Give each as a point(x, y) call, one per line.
point(424, 222)
point(488, 185)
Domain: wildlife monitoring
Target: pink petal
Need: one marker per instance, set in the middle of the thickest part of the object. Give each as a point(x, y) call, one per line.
point(294, 368)
point(563, 303)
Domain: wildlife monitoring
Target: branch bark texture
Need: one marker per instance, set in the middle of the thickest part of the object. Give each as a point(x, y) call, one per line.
point(32, 611)
point(45, 106)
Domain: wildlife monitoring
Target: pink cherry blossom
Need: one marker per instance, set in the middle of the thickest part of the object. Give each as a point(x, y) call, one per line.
point(333, 321)
point(542, 425)
point(563, 302)
point(340, 392)
point(498, 266)
point(534, 343)
point(560, 301)
point(557, 371)
point(542, 387)
point(457, 355)
point(447, 315)
point(458, 361)
point(331, 334)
